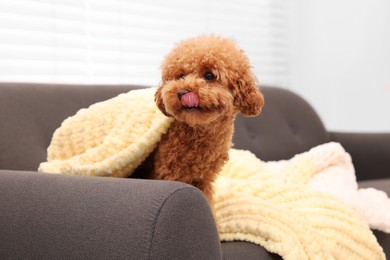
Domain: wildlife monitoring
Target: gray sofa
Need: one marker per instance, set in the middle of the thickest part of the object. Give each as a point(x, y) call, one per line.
point(45, 216)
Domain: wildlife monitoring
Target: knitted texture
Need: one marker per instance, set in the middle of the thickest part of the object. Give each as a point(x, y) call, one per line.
point(273, 204)
point(270, 204)
point(110, 138)
point(335, 175)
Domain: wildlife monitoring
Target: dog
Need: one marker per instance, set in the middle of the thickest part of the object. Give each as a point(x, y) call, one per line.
point(206, 81)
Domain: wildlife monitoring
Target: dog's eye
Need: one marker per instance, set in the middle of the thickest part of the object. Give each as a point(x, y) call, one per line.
point(181, 76)
point(209, 76)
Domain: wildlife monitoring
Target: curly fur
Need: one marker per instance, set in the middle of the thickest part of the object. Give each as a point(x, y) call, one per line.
point(196, 145)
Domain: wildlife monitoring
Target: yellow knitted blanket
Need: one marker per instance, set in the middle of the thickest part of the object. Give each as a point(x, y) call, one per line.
point(267, 203)
point(110, 138)
point(271, 204)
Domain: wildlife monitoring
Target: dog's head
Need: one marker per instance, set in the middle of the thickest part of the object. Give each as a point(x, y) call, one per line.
point(205, 78)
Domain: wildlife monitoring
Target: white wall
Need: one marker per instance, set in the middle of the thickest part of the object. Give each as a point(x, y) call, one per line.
point(340, 61)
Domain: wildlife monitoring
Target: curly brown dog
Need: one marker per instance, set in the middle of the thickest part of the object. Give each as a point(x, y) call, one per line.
point(206, 81)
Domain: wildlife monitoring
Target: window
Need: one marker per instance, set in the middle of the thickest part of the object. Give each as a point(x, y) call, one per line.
point(124, 42)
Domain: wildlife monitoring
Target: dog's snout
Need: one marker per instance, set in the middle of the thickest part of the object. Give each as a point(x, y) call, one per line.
point(181, 93)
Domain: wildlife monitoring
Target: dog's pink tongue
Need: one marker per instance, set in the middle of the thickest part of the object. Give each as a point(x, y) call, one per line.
point(190, 100)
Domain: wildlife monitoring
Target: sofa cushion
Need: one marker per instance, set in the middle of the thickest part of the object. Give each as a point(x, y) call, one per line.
point(287, 126)
point(31, 112)
point(238, 250)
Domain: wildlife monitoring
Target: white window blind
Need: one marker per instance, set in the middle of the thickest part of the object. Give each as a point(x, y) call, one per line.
point(124, 42)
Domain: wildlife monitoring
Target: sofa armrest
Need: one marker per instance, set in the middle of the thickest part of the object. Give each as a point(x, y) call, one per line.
point(370, 153)
point(46, 216)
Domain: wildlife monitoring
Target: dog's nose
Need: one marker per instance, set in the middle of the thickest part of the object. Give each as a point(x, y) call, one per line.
point(181, 93)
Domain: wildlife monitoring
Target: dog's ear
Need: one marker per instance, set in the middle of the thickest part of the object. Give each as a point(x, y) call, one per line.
point(159, 101)
point(248, 98)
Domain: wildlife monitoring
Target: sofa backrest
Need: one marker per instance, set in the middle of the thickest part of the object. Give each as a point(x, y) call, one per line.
point(288, 125)
point(30, 113)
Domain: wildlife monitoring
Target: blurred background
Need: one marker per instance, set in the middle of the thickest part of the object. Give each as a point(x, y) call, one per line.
point(336, 54)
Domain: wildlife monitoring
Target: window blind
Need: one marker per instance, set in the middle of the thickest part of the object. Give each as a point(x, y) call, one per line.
point(124, 42)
